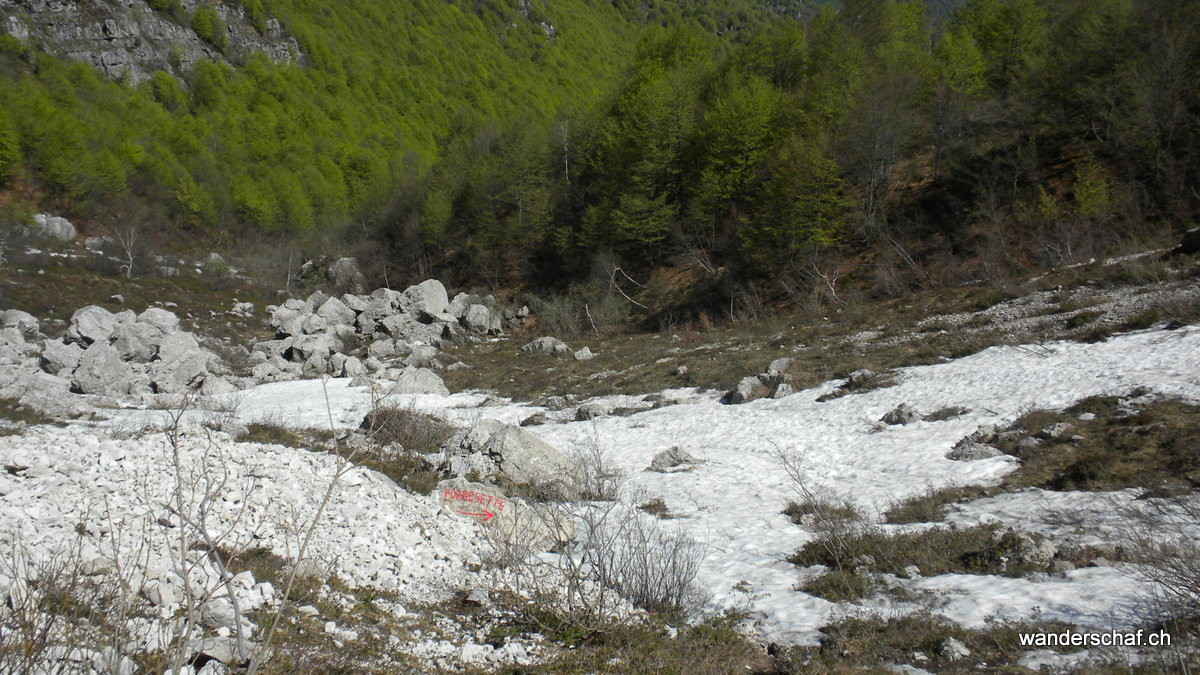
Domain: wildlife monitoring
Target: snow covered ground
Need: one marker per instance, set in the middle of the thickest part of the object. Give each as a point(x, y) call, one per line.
point(378, 534)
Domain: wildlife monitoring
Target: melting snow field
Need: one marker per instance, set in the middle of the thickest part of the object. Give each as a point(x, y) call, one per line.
point(731, 502)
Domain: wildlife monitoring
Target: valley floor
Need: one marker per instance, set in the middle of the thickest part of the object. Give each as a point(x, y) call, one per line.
point(108, 492)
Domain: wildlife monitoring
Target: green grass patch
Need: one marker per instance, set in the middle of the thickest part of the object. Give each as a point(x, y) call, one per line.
point(841, 586)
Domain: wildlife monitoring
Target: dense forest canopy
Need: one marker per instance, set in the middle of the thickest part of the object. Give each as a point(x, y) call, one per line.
point(518, 143)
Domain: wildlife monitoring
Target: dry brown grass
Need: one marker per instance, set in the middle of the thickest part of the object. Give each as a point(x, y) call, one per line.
point(855, 645)
point(1153, 447)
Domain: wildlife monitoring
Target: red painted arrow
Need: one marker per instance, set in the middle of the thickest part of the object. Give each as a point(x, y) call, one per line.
point(486, 515)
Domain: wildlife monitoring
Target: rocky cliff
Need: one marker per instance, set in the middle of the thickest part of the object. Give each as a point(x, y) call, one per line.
point(128, 39)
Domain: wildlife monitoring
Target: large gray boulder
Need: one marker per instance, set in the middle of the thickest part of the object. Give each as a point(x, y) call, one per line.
point(13, 347)
point(22, 321)
point(419, 381)
point(673, 460)
point(161, 319)
point(352, 367)
point(747, 389)
point(779, 366)
point(137, 341)
point(517, 454)
point(60, 358)
point(344, 273)
point(91, 324)
point(478, 318)
point(322, 344)
point(519, 528)
point(102, 372)
point(901, 414)
point(274, 347)
point(316, 299)
point(404, 327)
point(423, 356)
point(426, 300)
point(381, 349)
point(174, 347)
point(54, 227)
point(356, 303)
point(387, 296)
point(311, 324)
point(967, 450)
point(185, 373)
point(336, 312)
point(460, 304)
point(547, 345)
point(288, 320)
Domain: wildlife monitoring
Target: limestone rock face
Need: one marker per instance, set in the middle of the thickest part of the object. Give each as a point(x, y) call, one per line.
point(747, 389)
point(176, 346)
point(336, 312)
point(529, 528)
point(130, 40)
point(477, 318)
point(185, 373)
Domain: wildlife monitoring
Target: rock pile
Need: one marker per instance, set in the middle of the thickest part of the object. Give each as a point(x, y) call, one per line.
point(390, 334)
point(131, 354)
point(979, 444)
point(775, 383)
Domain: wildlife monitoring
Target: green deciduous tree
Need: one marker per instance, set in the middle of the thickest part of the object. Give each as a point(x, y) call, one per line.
point(799, 206)
point(10, 149)
point(208, 25)
point(1010, 33)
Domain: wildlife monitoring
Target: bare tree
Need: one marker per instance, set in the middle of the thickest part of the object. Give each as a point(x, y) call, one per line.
point(127, 238)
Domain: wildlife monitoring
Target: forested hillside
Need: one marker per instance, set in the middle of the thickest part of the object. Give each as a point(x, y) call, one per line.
point(522, 142)
point(1013, 132)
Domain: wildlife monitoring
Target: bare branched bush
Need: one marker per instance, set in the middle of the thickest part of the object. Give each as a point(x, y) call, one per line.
point(832, 518)
point(582, 310)
point(1161, 539)
point(413, 430)
point(62, 614)
point(610, 556)
point(652, 565)
point(143, 582)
